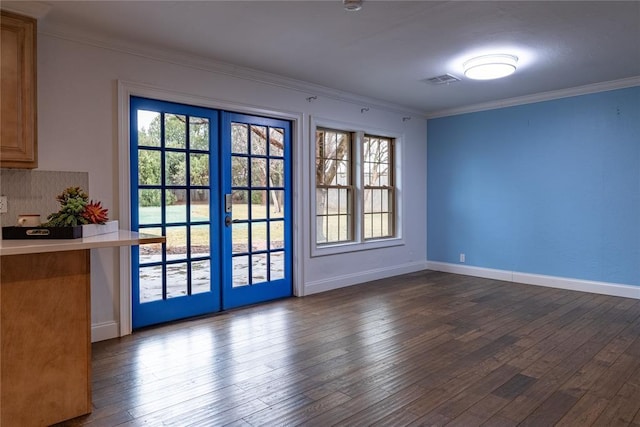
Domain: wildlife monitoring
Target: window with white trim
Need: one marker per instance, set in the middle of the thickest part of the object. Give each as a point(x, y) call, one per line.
point(378, 188)
point(334, 186)
point(355, 188)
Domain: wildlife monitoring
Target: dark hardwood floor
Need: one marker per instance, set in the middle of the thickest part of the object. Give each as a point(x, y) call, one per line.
point(426, 348)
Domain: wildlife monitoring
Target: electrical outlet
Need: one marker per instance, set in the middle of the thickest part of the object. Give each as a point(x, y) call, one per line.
point(462, 258)
point(3, 204)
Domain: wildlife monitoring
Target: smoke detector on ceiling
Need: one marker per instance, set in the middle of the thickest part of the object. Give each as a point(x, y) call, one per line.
point(352, 5)
point(441, 80)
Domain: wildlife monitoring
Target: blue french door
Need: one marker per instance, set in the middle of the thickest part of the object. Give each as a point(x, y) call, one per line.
point(256, 181)
point(217, 186)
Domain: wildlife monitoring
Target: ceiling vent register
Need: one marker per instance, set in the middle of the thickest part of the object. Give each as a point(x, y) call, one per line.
point(441, 80)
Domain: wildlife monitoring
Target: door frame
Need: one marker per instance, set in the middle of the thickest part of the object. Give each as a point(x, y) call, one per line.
point(126, 90)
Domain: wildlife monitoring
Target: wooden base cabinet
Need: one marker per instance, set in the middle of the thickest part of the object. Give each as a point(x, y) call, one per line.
point(45, 337)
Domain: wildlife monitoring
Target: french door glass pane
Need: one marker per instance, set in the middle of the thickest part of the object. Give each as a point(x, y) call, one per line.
point(200, 205)
point(276, 234)
point(175, 165)
point(276, 202)
point(258, 204)
point(259, 236)
point(176, 242)
point(151, 253)
point(240, 238)
point(177, 280)
point(199, 169)
point(175, 126)
point(199, 133)
point(148, 162)
point(240, 276)
point(148, 128)
point(150, 283)
point(200, 245)
point(277, 265)
point(200, 276)
point(276, 146)
point(259, 269)
point(258, 140)
point(239, 138)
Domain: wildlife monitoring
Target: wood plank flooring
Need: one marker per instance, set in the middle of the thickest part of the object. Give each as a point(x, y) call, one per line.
point(427, 348)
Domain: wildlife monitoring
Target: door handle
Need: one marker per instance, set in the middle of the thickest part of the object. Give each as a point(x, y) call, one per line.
point(228, 221)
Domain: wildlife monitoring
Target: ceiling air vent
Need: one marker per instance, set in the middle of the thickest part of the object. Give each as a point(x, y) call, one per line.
point(443, 79)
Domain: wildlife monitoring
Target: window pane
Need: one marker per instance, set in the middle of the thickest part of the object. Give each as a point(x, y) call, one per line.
point(276, 234)
point(258, 172)
point(176, 209)
point(258, 204)
point(199, 133)
point(200, 205)
point(322, 202)
point(148, 128)
point(240, 271)
point(276, 139)
point(258, 268)
point(239, 171)
point(150, 279)
point(200, 276)
point(333, 200)
point(200, 246)
point(344, 205)
point(199, 166)
point(175, 168)
point(258, 236)
point(276, 173)
point(368, 226)
point(175, 131)
point(276, 268)
point(240, 238)
point(276, 204)
point(240, 200)
point(176, 280)
point(239, 138)
point(368, 201)
point(150, 252)
point(149, 167)
point(176, 243)
point(149, 210)
point(258, 140)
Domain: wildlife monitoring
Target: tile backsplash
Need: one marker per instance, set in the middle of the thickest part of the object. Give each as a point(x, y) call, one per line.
point(35, 191)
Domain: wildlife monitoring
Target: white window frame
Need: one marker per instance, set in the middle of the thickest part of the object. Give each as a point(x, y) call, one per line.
point(358, 243)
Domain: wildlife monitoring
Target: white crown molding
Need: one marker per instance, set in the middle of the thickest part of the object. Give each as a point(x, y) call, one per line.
point(34, 9)
point(219, 67)
point(539, 97)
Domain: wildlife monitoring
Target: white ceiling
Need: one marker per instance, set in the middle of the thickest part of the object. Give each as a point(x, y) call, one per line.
point(385, 50)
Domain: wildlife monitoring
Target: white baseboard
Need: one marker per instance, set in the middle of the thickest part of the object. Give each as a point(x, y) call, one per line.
point(361, 277)
point(605, 288)
point(104, 331)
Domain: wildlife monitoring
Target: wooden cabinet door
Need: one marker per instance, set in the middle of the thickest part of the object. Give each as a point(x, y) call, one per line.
point(18, 133)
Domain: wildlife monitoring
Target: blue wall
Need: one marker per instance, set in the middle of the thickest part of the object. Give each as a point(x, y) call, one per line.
point(548, 188)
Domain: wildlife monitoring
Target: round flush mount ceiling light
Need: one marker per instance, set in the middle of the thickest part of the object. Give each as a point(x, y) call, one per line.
point(352, 5)
point(489, 67)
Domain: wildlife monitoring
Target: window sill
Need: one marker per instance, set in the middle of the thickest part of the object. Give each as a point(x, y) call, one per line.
point(341, 248)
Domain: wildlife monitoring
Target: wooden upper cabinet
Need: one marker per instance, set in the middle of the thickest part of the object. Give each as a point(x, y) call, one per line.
point(18, 122)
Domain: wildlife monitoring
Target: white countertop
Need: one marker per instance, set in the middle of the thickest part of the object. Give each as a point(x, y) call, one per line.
point(119, 238)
